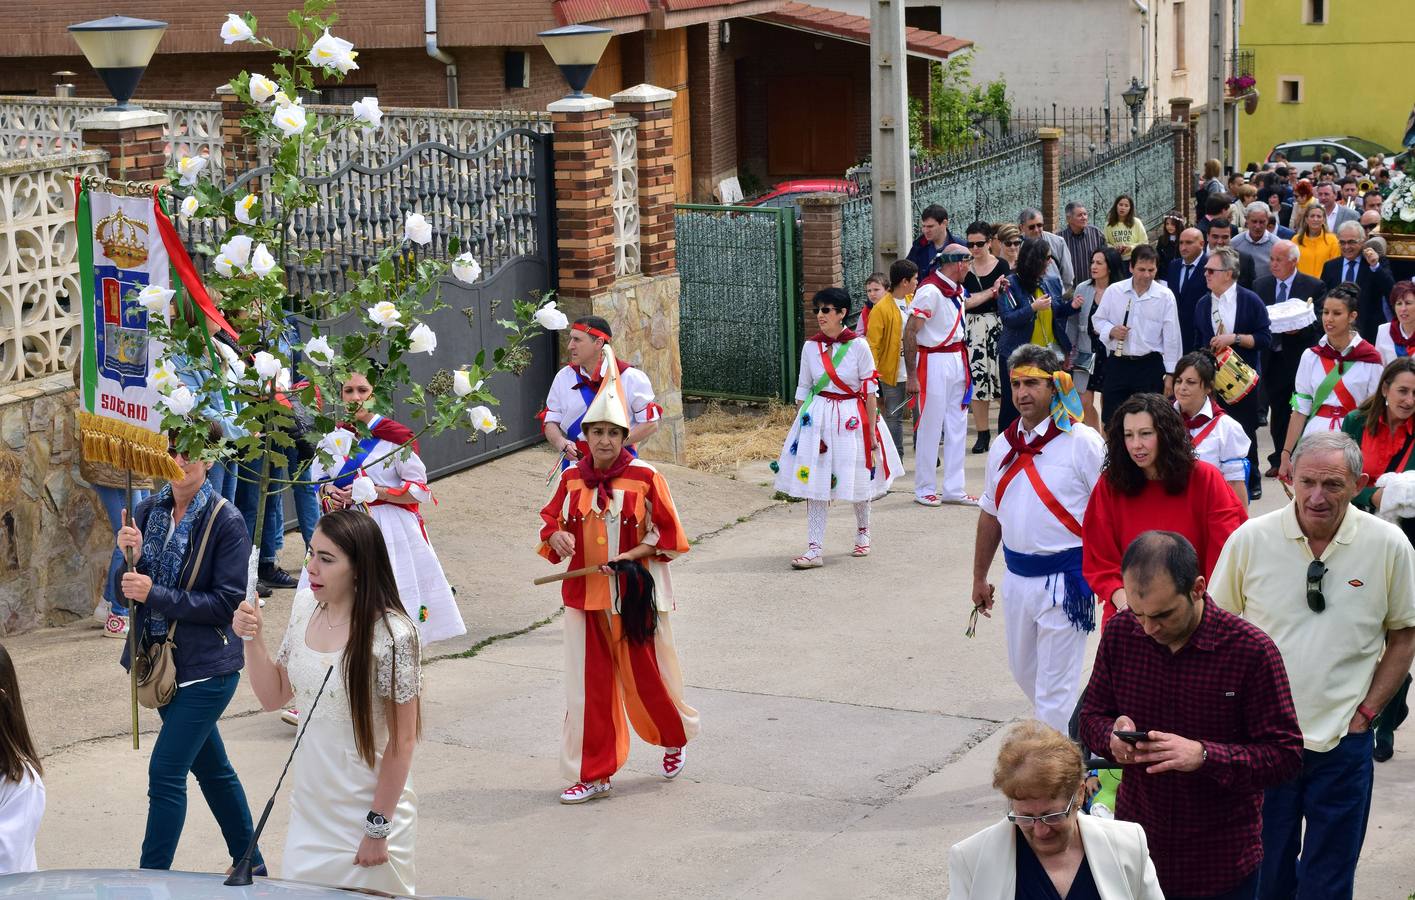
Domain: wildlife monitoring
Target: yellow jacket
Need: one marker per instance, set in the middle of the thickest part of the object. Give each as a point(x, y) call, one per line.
point(884, 334)
point(1315, 252)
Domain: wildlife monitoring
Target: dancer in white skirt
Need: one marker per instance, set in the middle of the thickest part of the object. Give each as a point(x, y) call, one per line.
point(1218, 438)
point(400, 480)
point(834, 450)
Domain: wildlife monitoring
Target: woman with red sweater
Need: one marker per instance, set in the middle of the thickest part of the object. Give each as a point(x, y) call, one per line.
point(1152, 480)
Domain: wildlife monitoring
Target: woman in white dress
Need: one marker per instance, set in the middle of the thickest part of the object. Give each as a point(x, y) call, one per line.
point(1396, 338)
point(353, 813)
point(1218, 438)
point(1333, 378)
point(400, 480)
point(833, 450)
point(21, 790)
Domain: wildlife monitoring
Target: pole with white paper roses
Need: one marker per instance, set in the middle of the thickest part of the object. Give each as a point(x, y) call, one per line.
point(248, 369)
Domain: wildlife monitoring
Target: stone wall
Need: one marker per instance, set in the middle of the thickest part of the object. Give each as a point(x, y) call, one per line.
point(55, 541)
point(642, 312)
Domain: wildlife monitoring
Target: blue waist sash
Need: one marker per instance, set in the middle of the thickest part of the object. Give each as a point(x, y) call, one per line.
point(1060, 570)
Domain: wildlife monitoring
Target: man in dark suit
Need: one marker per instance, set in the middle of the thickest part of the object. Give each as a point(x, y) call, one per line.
point(1231, 316)
point(1280, 368)
point(1221, 235)
point(1185, 279)
point(1367, 271)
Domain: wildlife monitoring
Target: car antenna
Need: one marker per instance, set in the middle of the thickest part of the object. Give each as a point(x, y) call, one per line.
point(241, 872)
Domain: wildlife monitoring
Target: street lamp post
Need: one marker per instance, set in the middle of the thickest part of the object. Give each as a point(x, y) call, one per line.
point(1134, 97)
point(576, 49)
point(119, 49)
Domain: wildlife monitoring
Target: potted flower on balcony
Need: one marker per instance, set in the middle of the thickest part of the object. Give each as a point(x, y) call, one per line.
point(1243, 87)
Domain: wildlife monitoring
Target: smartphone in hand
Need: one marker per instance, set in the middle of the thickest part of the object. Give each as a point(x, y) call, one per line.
point(1132, 737)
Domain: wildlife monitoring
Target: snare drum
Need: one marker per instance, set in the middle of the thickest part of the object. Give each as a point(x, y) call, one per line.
point(1235, 379)
point(1291, 315)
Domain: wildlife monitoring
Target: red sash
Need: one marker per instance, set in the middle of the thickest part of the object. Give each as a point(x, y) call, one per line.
point(948, 346)
point(1191, 423)
point(845, 393)
point(1404, 346)
point(1021, 459)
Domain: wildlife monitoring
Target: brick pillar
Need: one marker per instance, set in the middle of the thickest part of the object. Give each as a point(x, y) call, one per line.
point(1051, 176)
point(238, 151)
point(134, 139)
point(1184, 167)
point(652, 107)
point(821, 265)
point(583, 199)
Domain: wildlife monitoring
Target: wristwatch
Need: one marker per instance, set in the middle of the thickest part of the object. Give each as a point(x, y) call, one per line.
point(377, 826)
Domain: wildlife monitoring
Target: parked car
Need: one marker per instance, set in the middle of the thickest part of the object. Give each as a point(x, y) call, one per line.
point(1307, 154)
point(786, 194)
point(108, 884)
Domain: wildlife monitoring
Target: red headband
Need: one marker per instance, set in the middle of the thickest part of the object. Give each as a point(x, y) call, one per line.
point(590, 330)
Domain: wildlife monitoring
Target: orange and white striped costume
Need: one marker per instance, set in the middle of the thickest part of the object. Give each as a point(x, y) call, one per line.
point(606, 674)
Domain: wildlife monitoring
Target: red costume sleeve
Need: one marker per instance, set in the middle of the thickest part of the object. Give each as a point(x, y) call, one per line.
point(672, 541)
point(385, 429)
point(1222, 515)
point(1101, 550)
point(550, 515)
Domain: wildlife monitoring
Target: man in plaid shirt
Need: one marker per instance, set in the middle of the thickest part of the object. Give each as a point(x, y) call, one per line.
point(1211, 692)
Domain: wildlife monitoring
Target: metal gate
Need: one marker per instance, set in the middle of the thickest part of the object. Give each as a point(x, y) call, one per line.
point(740, 301)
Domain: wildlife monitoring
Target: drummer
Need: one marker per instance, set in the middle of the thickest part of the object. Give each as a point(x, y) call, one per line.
point(1397, 338)
point(1232, 319)
point(1218, 438)
point(1334, 377)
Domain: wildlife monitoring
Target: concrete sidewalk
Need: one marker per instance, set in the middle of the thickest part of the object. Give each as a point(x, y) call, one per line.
point(849, 729)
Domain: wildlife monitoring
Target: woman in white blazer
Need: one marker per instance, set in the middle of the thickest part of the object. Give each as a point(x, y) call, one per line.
point(1046, 848)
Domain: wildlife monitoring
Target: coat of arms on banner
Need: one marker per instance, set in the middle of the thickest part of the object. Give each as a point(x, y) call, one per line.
point(118, 273)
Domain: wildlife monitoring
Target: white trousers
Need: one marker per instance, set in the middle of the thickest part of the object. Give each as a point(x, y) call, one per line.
point(1044, 651)
point(943, 417)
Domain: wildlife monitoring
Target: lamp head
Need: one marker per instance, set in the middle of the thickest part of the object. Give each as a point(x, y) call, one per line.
point(576, 49)
point(119, 49)
point(1134, 95)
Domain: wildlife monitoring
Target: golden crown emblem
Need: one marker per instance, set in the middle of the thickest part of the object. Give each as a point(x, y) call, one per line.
point(124, 240)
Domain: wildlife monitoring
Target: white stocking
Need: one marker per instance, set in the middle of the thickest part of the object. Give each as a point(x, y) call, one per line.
point(862, 523)
point(815, 526)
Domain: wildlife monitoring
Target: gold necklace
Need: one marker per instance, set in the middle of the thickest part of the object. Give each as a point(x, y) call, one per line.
point(324, 610)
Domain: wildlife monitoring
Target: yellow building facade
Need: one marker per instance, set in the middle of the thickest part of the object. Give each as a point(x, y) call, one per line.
point(1325, 67)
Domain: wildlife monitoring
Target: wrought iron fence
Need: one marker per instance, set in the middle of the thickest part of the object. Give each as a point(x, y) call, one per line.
point(1085, 131)
point(1142, 168)
point(739, 300)
point(496, 200)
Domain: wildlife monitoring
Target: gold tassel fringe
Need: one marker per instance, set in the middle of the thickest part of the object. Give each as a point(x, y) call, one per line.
point(126, 446)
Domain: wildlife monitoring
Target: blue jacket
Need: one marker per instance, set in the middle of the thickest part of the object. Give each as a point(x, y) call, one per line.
point(1252, 318)
point(1018, 317)
point(205, 645)
point(923, 252)
point(1194, 290)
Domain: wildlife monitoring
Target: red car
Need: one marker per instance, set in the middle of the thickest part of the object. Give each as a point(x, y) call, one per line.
point(785, 194)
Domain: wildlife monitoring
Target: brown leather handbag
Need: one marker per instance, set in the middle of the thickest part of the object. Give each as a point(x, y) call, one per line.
point(156, 666)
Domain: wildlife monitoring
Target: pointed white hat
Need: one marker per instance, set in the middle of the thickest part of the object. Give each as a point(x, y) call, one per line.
point(609, 404)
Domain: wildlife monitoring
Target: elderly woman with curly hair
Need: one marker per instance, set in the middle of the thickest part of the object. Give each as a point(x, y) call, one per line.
point(1152, 479)
point(1045, 847)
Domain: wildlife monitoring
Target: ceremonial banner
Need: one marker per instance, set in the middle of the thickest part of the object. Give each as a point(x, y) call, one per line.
point(120, 252)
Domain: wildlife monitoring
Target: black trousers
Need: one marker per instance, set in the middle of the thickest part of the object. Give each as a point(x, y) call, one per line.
point(1280, 375)
point(1126, 375)
point(1246, 413)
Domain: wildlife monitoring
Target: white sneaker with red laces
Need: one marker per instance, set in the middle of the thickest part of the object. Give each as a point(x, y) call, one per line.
point(580, 791)
point(290, 716)
point(672, 762)
point(115, 626)
point(928, 500)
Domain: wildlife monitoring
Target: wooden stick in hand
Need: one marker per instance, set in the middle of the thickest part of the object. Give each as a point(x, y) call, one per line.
point(565, 576)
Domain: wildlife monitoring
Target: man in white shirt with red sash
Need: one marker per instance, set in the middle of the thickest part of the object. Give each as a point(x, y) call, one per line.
point(1039, 478)
point(574, 388)
point(939, 380)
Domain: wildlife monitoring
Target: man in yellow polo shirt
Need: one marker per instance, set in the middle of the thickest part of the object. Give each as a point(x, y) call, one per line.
point(885, 335)
point(1332, 586)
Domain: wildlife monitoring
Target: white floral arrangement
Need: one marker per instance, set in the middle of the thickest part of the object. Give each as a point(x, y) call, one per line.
point(1398, 210)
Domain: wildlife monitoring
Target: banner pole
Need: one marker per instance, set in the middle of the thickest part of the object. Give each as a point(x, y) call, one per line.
point(132, 625)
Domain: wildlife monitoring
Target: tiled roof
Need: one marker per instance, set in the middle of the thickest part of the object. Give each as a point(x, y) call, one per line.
point(857, 29)
point(572, 11)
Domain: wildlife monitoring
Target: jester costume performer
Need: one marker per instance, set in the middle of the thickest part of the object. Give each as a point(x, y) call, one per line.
point(1039, 478)
point(621, 667)
point(834, 449)
point(423, 588)
point(575, 386)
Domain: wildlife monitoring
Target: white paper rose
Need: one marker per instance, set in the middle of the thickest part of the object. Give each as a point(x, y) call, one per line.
point(283, 100)
point(384, 314)
point(551, 318)
point(482, 419)
point(245, 209)
point(319, 352)
point(155, 299)
point(338, 443)
point(462, 383)
point(235, 29)
point(189, 167)
point(417, 229)
point(163, 377)
point(290, 119)
point(262, 263)
point(266, 365)
point(262, 88)
point(367, 112)
point(466, 269)
point(238, 250)
point(223, 265)
point(180, 401)
point(423, 339)
point(363, 490)
point(330, 52)
point(190, 207)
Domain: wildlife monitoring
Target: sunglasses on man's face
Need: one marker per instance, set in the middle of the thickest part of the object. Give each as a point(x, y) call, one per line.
point(1316, 601)
point(977, 243)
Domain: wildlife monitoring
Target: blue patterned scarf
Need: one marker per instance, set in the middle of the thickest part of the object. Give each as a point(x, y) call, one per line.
point(164, 563)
